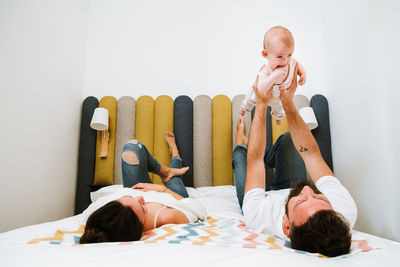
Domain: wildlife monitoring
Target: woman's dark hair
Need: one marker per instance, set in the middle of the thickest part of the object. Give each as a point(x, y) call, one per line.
point(113, 222)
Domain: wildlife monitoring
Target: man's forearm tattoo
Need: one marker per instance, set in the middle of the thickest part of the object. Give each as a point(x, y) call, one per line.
point(303, 149)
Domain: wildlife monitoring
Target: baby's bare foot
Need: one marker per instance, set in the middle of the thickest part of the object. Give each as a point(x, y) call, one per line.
point(173, 149)
point(172, 172)
point(240, 136)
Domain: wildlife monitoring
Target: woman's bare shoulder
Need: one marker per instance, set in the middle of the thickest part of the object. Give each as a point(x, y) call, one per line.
point(171, 215)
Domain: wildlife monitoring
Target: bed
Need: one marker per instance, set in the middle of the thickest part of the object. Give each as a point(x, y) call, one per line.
point(221, 240)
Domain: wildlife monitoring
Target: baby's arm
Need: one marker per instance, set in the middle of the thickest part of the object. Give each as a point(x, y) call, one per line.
point(276, 77)
point(265, 81)
point(302, 73)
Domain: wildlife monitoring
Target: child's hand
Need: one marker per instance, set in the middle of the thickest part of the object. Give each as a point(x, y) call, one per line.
point(302, 79)
point(302, 73)
point(241, 112)
point(279, 75)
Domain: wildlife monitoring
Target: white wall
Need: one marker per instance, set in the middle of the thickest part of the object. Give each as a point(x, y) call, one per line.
point(349, 49)
point(391, 79)
point(190, 47)
point(42, 47)
point(362, 87)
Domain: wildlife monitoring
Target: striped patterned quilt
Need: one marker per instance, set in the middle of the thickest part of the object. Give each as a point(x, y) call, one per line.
point(215, 231)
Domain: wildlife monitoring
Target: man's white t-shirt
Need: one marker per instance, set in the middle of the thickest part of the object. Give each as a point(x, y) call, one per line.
point(263, 211)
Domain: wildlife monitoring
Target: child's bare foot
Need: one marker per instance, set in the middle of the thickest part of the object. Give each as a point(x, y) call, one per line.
point(173, 149)
point(172, 172)
point(240, 136)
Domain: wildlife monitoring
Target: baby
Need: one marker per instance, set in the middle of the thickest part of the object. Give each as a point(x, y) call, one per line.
point(278, 71)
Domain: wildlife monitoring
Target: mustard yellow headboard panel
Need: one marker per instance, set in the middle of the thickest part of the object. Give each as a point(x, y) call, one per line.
point(277, 130)
point(222, 140)
point(145, 122)
point(104, 171)
point(163, 122)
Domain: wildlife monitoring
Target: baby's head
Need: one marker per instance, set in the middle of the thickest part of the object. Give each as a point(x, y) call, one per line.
point(278, 46)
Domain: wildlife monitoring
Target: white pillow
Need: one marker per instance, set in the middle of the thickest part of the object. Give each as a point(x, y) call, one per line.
point(104, 191)
point(219, 200)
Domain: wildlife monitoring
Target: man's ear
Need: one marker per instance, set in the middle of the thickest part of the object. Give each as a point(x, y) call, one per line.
point(286, 225)
point(264, 53)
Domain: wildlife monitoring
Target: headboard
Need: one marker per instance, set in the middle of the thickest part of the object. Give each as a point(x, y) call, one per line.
point(205, 132)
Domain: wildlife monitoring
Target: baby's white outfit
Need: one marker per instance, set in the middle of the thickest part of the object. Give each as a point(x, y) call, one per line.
point(277, 110)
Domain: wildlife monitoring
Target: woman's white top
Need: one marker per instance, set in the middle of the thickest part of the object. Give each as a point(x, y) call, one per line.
point(191, 208)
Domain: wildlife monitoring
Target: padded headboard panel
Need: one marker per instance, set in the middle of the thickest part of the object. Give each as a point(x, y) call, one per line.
point(126, 119)
point(163, 122)
point(183, 129)
point(205, 131)
point(104, 167)
point(202, 141)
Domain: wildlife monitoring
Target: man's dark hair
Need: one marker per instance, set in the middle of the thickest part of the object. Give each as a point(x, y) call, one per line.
point(113, 222)
point(325, 232)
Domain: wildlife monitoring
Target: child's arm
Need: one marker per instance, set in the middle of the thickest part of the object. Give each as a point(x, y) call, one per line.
point(276, 77)
point(302, 73)
point(265, 82)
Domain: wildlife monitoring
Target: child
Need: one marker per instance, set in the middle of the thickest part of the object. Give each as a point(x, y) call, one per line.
point(278, 71)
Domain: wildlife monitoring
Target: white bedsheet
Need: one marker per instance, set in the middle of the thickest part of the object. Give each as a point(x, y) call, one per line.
point(220, 201)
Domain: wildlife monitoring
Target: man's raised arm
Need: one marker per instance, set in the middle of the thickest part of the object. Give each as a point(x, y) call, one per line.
point(255, 175)
point(302, 138)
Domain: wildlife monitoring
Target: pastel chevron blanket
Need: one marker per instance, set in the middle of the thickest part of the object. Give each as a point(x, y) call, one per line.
point(215, 231)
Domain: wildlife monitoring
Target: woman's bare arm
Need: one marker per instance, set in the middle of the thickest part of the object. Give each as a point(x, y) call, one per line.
point(156, 187)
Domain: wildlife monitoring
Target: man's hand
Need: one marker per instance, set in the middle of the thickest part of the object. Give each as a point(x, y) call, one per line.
point(149, 187)
point(263, 96)
point(287, 94)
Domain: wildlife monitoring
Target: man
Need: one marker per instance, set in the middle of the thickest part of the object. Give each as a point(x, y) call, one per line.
point(317, 217)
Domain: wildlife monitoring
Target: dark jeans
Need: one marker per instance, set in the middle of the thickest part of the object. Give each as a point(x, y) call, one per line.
point(138, 173)
point(283, 156)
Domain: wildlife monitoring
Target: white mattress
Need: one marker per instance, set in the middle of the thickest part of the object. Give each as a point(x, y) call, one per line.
point(221, 203)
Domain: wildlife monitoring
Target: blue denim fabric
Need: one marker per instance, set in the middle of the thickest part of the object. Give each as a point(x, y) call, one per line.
point(176, 183)
point(283, 156)
point(138, 173)
point(239, 164)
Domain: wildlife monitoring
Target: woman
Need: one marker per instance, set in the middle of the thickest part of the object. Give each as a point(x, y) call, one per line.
point(141, 205)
